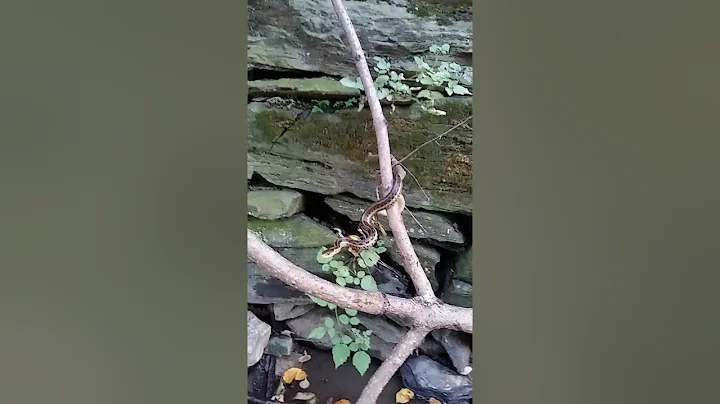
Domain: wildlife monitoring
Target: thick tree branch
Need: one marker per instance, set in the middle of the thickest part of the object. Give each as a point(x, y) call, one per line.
point(402, 240)
point(417, 312)
point(385, 372)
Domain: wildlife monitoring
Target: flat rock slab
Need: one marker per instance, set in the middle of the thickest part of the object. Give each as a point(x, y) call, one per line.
point(428, 257)
point(274, 204)
point(305, 35)
point(458, 293)
point(258, 338)
point(331, 154)
point(419, 224)
point(313, 88)
point(463, 266)
point(298, 231)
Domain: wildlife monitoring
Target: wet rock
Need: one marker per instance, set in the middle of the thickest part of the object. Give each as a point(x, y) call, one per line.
point(262, 379)
point(299, 35)
point(424, 225)
point(279, 345)
point(428, 256)
point(386, 334)
point(429, 379)
point(457, 345)
point(459, 293)
point(296, 231)
point(463, 266)
point(328, 153)
point(314, 88)
point(264, 288)
point(274, 204)
point(258, 338)
point(284, 310)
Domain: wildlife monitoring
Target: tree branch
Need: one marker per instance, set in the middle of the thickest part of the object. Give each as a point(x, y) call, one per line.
point(418, 313)
point(385, 372)
point(402, 240)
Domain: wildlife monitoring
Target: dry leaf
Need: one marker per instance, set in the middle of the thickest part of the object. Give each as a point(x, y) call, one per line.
point(342, 401)
point(304, 384)
point(304, 396)
point(304, 358)
point(434, 401)
point(292, 374)
point(404, 395)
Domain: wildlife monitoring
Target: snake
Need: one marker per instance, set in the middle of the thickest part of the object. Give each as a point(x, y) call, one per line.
point(368, 222)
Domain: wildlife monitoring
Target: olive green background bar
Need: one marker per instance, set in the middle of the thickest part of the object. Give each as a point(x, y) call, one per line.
point(122, 166)
point(596, 238)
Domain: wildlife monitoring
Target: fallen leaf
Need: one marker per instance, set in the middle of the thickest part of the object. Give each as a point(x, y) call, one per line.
point(304, 358)
point(342, 401)
point(404, 395)
point(434, 401)
point(304, 396)
point(291, 374)
point(304, 384)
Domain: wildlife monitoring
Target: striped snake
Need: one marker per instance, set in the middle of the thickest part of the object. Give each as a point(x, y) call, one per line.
point(368, 223)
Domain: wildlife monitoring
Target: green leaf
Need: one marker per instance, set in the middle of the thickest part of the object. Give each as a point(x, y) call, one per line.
point(340, 281)
point(435, 95)
point(458, 89)
point(368, 283)
point(349, 279)
point(336, 340)
point(381, 80)
point(332, 306)
point(343, 270)
point(331, 333)
point(367, 333)
point(347, 81)
point(445, 48)
point(326, 267)
point(354, 346)
point(354, 321)
point(341, 353)
point(346, 340)
point(361, 274)
point(319, 302)
point(343, 318)
point(449, 91)
point(351, 312)
point(380, 250)
point(335, 264)
point(424, 94)
point(427, 81)
point(379, 243)
point(361, 361)
point(356, 281)
point(317, 333)
point(361, 263)
point(320, 259)
point(329, 323)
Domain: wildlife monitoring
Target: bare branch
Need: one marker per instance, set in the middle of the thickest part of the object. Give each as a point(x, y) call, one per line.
point(402, 240)
point(385, 372)
point(418, 313)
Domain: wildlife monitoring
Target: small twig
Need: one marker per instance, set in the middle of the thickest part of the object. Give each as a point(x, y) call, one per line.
point(434, 139)
point(385, 372)
point(416, 180)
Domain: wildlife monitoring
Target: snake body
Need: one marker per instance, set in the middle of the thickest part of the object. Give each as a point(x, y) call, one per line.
point(368, 222)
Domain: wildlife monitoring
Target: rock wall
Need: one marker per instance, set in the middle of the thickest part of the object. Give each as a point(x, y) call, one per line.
point(311, 169)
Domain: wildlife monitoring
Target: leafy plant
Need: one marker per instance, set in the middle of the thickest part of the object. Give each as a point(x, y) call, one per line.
point(347, 339)
point(434, 78)
point(319, 106)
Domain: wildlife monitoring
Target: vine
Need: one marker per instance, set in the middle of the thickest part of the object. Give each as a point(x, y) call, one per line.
point(342, 327)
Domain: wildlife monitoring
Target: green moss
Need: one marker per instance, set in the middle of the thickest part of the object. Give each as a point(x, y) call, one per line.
point(272, 122)
point(439, 8)
point(351, 134)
